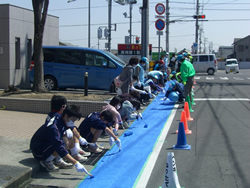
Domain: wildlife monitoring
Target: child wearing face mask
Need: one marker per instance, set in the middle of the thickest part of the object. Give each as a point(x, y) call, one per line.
point(113, 106)
point(47, 143)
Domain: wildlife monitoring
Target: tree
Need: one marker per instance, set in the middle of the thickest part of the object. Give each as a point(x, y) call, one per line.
point(40, 8)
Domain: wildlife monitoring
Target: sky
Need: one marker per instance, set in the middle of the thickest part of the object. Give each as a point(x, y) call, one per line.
point(225, 20)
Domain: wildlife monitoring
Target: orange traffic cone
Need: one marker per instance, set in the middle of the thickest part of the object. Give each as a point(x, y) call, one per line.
point(184, 121)
point(186, 109)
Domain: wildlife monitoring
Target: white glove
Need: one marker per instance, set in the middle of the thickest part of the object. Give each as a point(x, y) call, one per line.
point(119, 144)
point(111, 141)
point(69, 133)
point(132, 88)
point(163, 91)
point(80, 168)
point(139, 115)
point(83, 141)
point(139, 84)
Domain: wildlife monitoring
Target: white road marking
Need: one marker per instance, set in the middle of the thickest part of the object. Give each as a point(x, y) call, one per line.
point(248, 78)
point(221, 99)
point(209, 78)
point(148, 167)
point(224, 78)
point(197, 78)
point(238, 78)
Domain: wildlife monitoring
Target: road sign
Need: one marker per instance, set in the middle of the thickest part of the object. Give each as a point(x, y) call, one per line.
point(159, 32)
point(159, 24)
point(159, 16)
point(160, 8)
point(194, 46)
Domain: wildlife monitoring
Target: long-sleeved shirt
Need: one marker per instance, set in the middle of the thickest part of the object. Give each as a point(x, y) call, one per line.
point(51, 134)
point(187, 70)
point(126, 110)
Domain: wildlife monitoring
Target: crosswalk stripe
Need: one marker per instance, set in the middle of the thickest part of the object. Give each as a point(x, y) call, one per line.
point(248, 78)
point(221, 99)
point(238, 78)
point(209, 78)
point(224, 78)
point(197, 78)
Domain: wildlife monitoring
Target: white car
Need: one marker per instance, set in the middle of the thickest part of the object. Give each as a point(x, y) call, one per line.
point(231, 65)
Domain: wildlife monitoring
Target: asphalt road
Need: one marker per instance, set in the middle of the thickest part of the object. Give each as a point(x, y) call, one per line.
point(219, 155)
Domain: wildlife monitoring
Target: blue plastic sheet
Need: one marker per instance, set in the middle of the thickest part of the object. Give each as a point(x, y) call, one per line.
point(121, 169)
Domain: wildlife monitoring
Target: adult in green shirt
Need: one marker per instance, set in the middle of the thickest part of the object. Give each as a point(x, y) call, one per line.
point(187, 76)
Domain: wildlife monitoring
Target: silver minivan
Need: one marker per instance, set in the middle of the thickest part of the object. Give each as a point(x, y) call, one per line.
point(205, 63)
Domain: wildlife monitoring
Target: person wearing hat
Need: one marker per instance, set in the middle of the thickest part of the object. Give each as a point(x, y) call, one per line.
point(166, 59)
point(189, 58)
point(139, 71)
point(187, 75)
point(172, 62)
point(179, 57)
point(159, 75)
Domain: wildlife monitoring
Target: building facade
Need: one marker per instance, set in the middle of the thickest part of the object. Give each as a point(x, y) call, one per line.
point(242, 49)
point(16, 43)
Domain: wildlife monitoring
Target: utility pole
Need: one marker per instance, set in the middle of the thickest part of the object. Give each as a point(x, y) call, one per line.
point(89, 27)
point(201, 30)
point(144, 29)
point(109, 23)
point(196, 25)
point(130, 24)
point(167, 26)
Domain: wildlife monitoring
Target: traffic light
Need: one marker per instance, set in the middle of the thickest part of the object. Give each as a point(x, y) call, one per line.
point(199, 16)
point(137, 40)
point(99, 33)
point(106, 32)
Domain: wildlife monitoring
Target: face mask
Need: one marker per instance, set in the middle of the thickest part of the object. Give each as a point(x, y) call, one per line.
point(118, 107)
point(134, 109)
point(133, 99)
point(144, 65)
point(70, 123)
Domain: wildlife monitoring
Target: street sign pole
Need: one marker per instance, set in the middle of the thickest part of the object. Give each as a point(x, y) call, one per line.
point(159, 25)
point(159, 47)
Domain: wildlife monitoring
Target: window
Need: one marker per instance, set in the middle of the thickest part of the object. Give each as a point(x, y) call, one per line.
point(69, 57)
point(29, 51)
point(95, 60)
point(17, 54)
point(49, 55)
point(194, 59)
point(112, 65)
point(211, 57)
point(203, 58)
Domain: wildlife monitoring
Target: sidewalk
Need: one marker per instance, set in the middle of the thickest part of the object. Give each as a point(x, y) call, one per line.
point(17, 163)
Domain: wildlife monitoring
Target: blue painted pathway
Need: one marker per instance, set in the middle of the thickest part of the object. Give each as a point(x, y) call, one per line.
point(121, 169)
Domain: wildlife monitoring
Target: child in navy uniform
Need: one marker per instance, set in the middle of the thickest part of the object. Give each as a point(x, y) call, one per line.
point(92, 127)
point(47, 143)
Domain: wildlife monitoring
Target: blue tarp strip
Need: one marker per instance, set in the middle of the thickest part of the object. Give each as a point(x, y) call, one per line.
point(121, 169)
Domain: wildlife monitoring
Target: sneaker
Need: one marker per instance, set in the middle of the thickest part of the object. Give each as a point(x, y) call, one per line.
point(125, 125)
point(62, 164)
point(84, 153)
point(95, 149)
point(80, 158)
point(100, 147)
point(50, 167)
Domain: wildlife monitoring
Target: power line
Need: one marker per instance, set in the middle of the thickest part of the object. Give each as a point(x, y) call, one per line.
point(153, 21)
